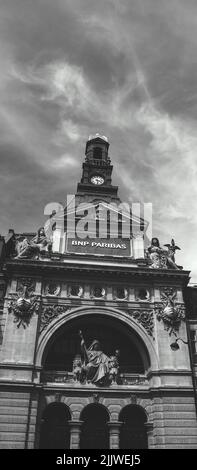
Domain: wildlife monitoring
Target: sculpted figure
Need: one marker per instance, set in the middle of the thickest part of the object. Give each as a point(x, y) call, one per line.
point(29, 248)
point(114, 368)
point(172, 248)
point(156, 254)
point(96, 362)
point(77, 368)
point(161, 258)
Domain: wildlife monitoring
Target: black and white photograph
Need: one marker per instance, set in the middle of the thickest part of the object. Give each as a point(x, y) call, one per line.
point(98, 230)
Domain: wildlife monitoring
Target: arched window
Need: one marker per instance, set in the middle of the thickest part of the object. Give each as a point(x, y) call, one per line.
point(55, 432)
point(97, 153)
point(133, 433)
point(94, 432)
point(112, 336)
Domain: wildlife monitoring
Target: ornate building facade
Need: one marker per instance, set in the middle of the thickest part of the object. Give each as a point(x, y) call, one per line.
point(98, 334)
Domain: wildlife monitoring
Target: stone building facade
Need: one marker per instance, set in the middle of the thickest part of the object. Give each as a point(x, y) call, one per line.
point(132, 390)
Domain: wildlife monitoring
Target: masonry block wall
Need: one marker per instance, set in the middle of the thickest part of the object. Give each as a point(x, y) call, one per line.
point(167, 398)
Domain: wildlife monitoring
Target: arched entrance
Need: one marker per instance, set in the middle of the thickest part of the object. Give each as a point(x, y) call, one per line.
point(94, 432)
point(112, 334)
point(133, 432)
point(55, 428)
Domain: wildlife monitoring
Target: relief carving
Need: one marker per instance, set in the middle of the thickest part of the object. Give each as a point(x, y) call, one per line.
point(50, 312)
point(170, 313)
point(24, 304)
point(145, 318)
point(52, 288)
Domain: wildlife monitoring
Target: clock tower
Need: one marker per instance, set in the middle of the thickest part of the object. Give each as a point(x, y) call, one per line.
point(96, 181)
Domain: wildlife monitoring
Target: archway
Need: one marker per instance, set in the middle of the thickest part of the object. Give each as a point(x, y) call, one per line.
point(122, 320)
point(94, 432)
point(55, 428)
point(113, 335)
point(133, 433)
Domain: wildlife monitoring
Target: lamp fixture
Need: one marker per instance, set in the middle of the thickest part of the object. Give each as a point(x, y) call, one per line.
point(174, 346)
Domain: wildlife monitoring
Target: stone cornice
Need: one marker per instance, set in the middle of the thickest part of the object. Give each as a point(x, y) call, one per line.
point(21, 366)
point(171, 372)
point(149, 392)
point(150, 374)
point(113, 267)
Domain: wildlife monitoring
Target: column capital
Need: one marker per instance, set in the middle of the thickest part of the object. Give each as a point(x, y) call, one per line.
point(75, 423)
point(114, 424)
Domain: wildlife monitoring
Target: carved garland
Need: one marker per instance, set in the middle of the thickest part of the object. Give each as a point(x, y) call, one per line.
point(27, 282)
point(171, 317)
point(51, 312)
point(23, 304)
point(145, 318)
point(170, 312)
point(23, 308)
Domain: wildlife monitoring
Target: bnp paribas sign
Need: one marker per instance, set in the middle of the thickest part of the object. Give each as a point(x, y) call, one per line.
point(98, 228)
point(112, 247)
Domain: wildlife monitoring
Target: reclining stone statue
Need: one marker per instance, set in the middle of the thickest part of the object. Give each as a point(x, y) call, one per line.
point(32, 248)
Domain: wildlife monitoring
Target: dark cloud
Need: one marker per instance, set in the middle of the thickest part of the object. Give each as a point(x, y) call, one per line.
point(126, 69)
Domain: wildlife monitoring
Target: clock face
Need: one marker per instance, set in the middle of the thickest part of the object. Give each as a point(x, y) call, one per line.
point(97, 180)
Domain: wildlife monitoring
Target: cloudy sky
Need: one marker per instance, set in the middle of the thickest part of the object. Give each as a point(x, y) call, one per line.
point(127, 69)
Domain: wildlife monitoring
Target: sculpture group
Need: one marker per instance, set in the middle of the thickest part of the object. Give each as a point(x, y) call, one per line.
point(94, 366)
point(34, 247)
point(160, 257)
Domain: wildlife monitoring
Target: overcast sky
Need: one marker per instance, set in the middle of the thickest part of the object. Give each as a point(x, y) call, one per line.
point(127, 69)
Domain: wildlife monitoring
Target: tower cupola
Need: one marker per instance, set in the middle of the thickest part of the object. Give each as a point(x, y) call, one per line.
point(97, 150)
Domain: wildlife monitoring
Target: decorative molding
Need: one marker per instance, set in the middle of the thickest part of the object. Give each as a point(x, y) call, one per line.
point(96, 397)
point(145, 318)
point(52, 288)
point(98, 292)
point(58, 397)
point(50, 312)
point(142, 294)
point(168, 292)
point(75, 293)
point(133, 399)
point(117, 295)
point(168, 311)
point(171, 317)
point(23, 306)
point(27, 282)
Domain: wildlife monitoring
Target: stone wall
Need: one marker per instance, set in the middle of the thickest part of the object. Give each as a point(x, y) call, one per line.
point(18, 411)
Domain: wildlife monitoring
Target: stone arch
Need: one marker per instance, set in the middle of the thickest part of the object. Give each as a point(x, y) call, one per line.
point(55, 432)
point(140, 335)
point(133, 432)
point(94, 431)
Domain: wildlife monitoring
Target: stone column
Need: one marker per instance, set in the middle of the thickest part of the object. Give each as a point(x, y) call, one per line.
point(75, 431)
point(114, 434)
point(149, 430)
